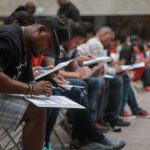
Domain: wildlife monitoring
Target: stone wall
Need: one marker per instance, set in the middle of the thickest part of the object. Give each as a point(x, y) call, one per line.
point(86, 7)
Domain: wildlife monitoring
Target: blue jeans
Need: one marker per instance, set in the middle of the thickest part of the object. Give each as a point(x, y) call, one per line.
point(83, 126)
point(132, 102)
point(146, 77)
point(129, 97)
point(115, 86)
point(79, 82)
point(93, 86)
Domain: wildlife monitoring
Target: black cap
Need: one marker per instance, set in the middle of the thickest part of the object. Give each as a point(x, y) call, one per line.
point(60, 30)
point(61, 33)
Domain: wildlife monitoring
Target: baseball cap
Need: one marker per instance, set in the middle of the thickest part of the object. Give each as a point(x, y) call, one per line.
point(61, 31)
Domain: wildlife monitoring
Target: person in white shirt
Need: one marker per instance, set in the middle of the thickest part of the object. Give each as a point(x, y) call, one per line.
point(96, 46)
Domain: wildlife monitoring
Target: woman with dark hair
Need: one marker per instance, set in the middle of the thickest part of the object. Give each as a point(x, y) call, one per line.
point(129, 55)
point(138, 56)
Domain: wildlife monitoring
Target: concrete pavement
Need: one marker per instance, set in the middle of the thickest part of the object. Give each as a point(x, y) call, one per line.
point(137, 136)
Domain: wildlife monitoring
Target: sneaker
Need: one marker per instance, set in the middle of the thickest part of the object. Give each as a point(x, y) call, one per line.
point(116, 144)
point(101, 128)
point(96, 146)
point(147, 88)
point(48, 147)
point(86, 144)
point(119, 122)
point(143, 113)
point(126, 115)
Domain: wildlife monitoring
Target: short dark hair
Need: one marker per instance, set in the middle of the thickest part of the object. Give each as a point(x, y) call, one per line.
point(139, 44)
point(77, 30)
point(20, 8)
point(23, 18)
point(44, 21)
point(88, 26)
point(135, 38)
point(121, 36)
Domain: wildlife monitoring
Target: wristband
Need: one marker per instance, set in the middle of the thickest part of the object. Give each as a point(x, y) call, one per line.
point(30, 89)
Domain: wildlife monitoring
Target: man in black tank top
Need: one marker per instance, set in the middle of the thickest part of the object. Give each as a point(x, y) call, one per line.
point(17, 44)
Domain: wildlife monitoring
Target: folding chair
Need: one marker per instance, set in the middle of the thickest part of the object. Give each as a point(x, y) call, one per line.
point(10, 140)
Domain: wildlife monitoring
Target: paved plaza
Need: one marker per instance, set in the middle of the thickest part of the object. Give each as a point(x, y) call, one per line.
point(137, 136)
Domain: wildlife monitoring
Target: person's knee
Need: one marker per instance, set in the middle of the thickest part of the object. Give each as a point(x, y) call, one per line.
point(117, 81)
point(94, 82)
point(83, 83)
point(35, 113)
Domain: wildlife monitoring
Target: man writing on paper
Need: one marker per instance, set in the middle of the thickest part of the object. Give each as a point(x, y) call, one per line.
point(95, 46)
point(82, 121)
point(16, 47)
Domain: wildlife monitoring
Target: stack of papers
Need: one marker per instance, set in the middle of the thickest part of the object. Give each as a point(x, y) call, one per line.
point(58, 67)
point(132, 67)
point(98, 59)
point(69, 86)
point(108, 76)
point(51, 101)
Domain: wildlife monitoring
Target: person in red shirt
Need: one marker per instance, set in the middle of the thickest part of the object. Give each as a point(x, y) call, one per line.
point(142, 73)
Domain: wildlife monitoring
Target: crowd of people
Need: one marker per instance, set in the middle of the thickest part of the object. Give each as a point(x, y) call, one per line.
point(28, 44)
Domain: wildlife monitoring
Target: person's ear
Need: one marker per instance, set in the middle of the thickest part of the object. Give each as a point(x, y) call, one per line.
point(41, 29)
point(15, 21)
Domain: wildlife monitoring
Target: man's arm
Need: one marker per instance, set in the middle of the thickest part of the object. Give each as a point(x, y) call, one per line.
point(10, 86)
point(80, 73)
point(67, 74)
